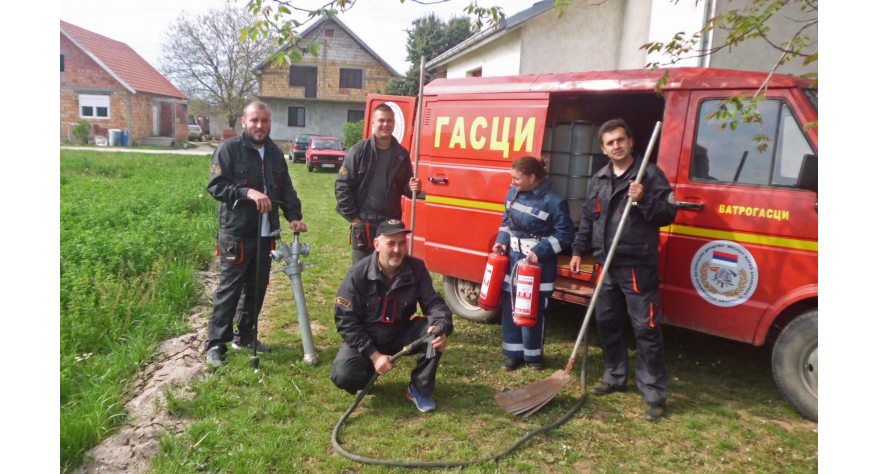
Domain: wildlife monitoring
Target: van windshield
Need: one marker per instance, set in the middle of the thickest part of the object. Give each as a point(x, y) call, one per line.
point(327, 145)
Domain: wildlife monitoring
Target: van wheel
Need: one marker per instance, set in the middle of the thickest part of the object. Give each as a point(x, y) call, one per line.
point(309, 167)
point(796, 363)
point(462, 297)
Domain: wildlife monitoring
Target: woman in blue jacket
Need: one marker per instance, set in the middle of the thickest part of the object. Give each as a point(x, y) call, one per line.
point(536, 226)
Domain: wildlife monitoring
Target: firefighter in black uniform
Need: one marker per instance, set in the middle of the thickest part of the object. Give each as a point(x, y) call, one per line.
point(374, 175)
point(375, 310)
point(248, 170)
point(632, 280)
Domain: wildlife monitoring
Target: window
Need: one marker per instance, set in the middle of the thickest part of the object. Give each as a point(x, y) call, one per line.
point(355, 115)
point(732, 156)
point(475, 73)
point(790, 150)
point(296, 116)
point(62, 63)
point(813, 97)
point(305, 76)
point(326, 145)
point(94, 106)
point(328, 32)
point(351, 78)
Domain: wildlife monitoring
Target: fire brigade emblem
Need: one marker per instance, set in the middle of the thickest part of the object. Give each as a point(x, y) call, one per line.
point(724, 273)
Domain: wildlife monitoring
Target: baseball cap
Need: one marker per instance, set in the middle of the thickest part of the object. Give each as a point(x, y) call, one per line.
point(392, 226)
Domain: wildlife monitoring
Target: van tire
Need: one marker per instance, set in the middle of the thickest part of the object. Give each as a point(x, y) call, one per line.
point(796, 363)
point(461, 296)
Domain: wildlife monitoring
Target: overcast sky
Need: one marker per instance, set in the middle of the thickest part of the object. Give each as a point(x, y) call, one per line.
point(142, 25)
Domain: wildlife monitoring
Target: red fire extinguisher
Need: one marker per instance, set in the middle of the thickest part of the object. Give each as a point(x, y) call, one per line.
point(490, 292)
point(528, 284)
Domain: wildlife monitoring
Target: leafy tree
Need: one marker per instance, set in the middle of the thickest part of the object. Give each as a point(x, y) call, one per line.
point(749, 22)
point(274, 19)
point(430, 36)
point(81, 131)
point(205, 57)
point(352, 132)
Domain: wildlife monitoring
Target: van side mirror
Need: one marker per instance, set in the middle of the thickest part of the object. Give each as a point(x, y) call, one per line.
point(809, 176)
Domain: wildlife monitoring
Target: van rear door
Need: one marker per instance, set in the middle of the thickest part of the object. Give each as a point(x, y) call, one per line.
point(745, 235)
point(404, 109)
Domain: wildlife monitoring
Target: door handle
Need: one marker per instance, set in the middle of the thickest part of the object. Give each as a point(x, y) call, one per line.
point(439, 180)
point(691, 206)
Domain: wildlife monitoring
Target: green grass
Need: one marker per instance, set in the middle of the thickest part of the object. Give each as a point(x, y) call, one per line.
point(133, 229)
point(724, 412)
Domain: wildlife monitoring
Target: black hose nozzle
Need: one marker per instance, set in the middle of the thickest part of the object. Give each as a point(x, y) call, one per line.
point(415, 345)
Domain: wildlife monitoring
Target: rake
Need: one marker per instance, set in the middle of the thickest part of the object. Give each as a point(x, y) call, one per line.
point(528, 400)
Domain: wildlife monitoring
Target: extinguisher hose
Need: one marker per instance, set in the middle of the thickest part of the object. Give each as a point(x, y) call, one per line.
point(513, 447)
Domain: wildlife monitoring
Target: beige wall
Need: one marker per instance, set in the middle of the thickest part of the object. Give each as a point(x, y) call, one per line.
point(586, 38)
point(498, 58)
point(336, 52)
point(756, 54)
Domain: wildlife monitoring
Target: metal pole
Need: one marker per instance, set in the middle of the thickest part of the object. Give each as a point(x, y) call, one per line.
point(417, 129)
point(310, 356)
point(292, 256)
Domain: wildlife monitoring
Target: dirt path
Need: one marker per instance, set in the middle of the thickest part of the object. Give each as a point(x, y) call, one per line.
point(201, 149)
point(177, 362)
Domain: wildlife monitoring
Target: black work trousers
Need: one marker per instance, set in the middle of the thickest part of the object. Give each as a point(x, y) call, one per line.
point(351, 371)
point(632, 291)
point(234, 297)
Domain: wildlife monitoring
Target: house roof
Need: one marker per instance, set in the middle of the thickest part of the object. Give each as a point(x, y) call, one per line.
point(636, 80)
point(121, 62)
point(504, 26)
point(345, 28)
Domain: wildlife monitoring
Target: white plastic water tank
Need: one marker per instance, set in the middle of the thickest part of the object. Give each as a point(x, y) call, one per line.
point(114, 135)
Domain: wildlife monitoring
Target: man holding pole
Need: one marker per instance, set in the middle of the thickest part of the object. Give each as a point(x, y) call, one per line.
point(374, 175)
point(632, 281)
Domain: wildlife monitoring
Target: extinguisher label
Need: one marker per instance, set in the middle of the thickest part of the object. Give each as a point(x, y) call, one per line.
point(487, 277)
point(525, 286)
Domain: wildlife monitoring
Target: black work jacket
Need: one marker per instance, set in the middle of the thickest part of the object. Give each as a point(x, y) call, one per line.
point(639, 244)
point(237, 167)
point(355, 176)
point(366, 318)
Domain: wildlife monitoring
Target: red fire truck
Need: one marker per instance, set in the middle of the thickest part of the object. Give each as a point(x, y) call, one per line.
point(741, 259)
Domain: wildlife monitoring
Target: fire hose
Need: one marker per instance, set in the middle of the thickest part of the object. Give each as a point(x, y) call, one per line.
point(413, 348)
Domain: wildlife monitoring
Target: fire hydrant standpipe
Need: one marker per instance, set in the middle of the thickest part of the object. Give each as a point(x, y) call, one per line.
point(291, 254)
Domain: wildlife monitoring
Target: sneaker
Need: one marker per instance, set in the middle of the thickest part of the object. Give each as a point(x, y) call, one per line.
point(261, 348)
point(423, 402)
point(536, 365)
point(653, 411)
point(215, 358)
point(605, 388)
point(512, 363)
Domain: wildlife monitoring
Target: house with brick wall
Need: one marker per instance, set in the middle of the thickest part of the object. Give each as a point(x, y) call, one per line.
point(107, 83)
point(319, 94)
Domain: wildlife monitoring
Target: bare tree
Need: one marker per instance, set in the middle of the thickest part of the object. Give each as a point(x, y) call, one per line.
point(206, 58)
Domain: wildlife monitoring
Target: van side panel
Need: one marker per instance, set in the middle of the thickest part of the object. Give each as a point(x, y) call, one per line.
point(467, 145)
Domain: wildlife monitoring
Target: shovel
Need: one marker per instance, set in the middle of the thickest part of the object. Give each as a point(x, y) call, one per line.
point(527, 400)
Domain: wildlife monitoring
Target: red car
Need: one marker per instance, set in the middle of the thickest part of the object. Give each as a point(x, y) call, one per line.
point(324, 152)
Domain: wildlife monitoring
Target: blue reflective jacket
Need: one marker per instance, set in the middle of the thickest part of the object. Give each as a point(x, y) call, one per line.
point(541, 212)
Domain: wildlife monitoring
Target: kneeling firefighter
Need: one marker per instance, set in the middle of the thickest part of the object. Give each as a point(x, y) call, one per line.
point(375, 315)
point(535, 228)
